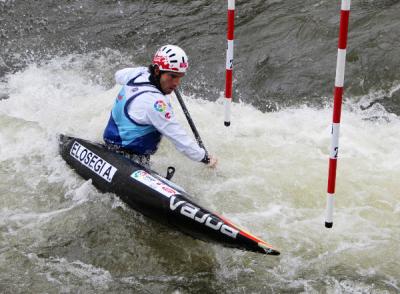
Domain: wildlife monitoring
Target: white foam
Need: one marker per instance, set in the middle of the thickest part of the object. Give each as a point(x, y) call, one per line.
point(97, 277)
point(271, 178)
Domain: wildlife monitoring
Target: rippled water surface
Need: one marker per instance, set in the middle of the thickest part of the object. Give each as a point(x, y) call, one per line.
point(58, 234)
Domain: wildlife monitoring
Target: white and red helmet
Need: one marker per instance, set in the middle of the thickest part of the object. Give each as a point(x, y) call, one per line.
point(171, 58)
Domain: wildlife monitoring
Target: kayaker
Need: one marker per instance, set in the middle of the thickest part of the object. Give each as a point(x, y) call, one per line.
point(142, 112)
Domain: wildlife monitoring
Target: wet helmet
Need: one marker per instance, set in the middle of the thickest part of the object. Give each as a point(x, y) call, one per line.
point(171, 58)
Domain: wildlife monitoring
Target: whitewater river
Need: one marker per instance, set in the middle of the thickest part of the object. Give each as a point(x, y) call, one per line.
point(58, 234)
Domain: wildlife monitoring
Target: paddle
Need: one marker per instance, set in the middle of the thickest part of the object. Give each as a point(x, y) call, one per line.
point(189, 119)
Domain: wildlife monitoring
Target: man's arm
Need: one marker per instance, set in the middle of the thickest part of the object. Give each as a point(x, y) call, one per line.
point(163, 119)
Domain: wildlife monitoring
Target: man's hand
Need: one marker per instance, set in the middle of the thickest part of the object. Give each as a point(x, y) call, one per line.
point(213, 162)
point(210, 160)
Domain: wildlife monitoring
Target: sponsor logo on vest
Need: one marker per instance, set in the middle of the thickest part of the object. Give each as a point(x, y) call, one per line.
point(160, 106)
point(93, 161)
point(193, 212)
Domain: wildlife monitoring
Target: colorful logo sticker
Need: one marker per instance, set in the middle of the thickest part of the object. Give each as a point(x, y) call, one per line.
point(155, 184)
point(160, 106)
point(168, 115)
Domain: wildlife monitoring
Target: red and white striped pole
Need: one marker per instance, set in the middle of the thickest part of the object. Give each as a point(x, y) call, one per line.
point(337, 107)
point(229, 62)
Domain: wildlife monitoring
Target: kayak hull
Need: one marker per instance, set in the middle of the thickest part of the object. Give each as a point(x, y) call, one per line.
point(152, 195)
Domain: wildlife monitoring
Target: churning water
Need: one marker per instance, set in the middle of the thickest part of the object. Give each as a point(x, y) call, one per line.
point(58, 234)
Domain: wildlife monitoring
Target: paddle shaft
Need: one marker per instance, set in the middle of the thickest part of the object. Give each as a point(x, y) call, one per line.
point(189, 119)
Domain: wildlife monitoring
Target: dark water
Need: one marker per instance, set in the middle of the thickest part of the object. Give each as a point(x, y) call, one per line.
point(58, 234)
point(285, 51)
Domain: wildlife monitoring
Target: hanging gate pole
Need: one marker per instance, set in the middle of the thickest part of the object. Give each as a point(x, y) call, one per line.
point(229, 62)
point(337, 106)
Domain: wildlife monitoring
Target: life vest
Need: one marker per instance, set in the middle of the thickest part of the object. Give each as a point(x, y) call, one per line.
point(123, 131)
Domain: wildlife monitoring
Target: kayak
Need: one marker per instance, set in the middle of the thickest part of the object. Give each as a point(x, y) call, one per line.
point(156, 197)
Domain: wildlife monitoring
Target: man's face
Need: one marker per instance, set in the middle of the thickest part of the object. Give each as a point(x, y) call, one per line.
point(170, 80)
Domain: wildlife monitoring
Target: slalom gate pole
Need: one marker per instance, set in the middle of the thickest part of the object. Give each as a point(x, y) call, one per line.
point(337, 107)
point(189, 119)
point(229, 62)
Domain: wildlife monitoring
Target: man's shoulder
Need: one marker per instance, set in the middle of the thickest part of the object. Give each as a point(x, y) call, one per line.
point(154, 103)
point(145, 95)
point(123, 76)
point(151, 96)
point(133, 70)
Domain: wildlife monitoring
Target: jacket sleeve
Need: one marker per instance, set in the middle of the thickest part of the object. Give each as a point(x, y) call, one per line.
point(162, 117)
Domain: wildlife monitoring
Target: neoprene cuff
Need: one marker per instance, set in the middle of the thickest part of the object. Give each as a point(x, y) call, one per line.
point(205, 159)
